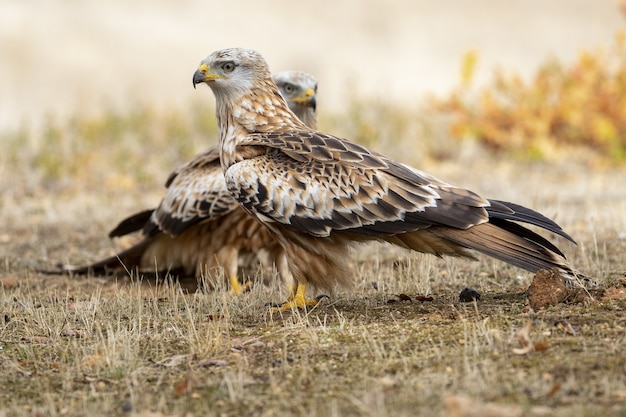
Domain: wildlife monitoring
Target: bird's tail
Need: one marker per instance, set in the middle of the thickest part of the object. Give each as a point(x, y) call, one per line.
point(501, 238)
point(126, 260)
point(511, 243)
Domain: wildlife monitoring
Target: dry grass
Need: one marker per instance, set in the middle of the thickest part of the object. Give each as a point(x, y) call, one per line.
point(105, 346)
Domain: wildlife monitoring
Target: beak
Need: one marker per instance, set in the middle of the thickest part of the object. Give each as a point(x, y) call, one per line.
point(312, 103)
point(202, 75)
point(198, 77)
point(307, 99)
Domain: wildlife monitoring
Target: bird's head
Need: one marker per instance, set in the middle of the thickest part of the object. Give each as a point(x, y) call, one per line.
point(232, 72)
point(244, 90)
point(299, 89)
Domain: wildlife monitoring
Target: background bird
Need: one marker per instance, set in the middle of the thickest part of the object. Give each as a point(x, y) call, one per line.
point(319, 194)
point(198, 229)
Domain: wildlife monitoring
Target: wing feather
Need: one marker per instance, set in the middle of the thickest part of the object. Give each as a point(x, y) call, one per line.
point(196, 192)
point(317, 183)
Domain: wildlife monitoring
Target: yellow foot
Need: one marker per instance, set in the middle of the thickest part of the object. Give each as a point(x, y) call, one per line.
point(297, 300)
point(238, 289)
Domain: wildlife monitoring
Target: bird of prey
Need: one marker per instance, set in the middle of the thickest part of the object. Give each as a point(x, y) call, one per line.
point(318, 194)
point(198, 227)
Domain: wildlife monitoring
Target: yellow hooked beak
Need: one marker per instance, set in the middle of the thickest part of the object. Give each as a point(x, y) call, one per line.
point(202, 75)
point(306, 99)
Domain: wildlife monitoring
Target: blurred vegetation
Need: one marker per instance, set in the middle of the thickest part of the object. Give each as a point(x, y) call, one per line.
point(124, 150)
point(118, 150)
point(403, 132)
point(564, 111)
point(562, 107)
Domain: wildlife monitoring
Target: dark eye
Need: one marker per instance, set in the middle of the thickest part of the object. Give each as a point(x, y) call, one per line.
point(288, 88)
point(228, 66)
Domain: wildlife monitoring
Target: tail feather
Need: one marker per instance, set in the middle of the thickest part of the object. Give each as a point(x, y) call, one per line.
point(511, 211)
point(521, 231)
point(128, 259)
point(511, 243)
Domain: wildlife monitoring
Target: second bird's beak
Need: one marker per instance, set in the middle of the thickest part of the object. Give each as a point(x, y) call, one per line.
point(312, 103)
point(307, 99)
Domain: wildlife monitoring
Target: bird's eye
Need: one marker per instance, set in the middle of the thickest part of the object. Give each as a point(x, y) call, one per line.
point(288, 88)
point(228, 66)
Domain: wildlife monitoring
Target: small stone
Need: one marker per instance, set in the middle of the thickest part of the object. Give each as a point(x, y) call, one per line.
point(469, 294)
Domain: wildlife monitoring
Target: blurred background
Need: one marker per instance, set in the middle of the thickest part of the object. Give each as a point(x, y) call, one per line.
point(63, 57)
point(97, 104)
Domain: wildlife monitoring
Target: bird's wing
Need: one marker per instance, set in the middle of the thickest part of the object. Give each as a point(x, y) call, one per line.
point(196, 192)
point(317, 183)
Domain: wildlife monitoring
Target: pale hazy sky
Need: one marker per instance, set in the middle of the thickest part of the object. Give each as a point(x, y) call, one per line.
point(69, 56)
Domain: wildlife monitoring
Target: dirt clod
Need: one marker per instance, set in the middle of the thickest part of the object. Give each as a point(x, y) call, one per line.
point(548, 289)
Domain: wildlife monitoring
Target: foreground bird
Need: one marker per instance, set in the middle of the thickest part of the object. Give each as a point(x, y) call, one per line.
point(198, 227)
point(318, 194)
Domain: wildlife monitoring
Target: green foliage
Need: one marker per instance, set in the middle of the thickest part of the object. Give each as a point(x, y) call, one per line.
point(116, 149)
point(581, 105)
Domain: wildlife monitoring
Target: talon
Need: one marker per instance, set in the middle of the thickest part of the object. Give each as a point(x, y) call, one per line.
point(296, 300)
point(236, 288)
point(321, 297)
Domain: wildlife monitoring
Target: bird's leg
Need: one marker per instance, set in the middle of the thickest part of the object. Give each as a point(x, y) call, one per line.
point(228, 259)
point(235, 287)
point(296, 299)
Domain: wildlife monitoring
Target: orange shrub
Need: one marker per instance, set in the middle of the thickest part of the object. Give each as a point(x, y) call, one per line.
point(560, 107)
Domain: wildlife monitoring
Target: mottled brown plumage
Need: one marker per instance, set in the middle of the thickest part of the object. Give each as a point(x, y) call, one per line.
point(318, 194)
point(198, 228)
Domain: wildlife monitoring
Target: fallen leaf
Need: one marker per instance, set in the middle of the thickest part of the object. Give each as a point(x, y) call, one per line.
point(555, 388)
point(185, 385)
point(79, 306)
point(464, 406)
point(173, 361)
point(36, 339)
point(94, 361)
point(566, 327)
point(523, 339)
point(257, 345)
point(9, 282)
point(212, 362)
point(71, 333)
